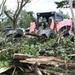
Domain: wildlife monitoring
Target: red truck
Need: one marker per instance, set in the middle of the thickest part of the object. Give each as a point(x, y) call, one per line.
point(43, 27)
point(47, 23)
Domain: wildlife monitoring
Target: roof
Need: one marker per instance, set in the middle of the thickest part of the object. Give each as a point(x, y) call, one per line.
point(48, 13)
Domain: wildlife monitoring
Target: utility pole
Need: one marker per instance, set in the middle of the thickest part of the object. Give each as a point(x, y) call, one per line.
point(71, 8)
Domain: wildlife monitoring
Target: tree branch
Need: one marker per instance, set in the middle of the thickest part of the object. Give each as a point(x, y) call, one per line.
point(2, 6)
point(21, 6)
point(19, 10)
point(16, 9)
point(25, 3)
point(8, 15)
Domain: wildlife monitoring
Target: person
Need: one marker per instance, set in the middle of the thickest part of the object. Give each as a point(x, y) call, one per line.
point(49, 21)
point(40, 23)
point(43, 23)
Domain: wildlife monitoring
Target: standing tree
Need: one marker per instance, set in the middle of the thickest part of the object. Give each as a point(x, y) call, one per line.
point(14, 18)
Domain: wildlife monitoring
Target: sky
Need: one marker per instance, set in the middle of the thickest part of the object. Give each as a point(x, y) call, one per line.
point(38, 6)
point(35, 5)
point(45, 6)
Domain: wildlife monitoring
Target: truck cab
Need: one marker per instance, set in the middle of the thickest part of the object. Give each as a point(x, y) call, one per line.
point(42, 26)
point(46, 15)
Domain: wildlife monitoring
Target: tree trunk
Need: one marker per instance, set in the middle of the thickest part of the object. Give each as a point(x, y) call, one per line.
point(71, 8)
point(14, 23)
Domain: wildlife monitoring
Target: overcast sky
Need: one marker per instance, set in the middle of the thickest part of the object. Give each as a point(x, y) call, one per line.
point(41, 5)
point(38, 6)
point(44, 6)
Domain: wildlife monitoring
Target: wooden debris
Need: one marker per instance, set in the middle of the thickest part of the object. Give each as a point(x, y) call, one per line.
point(43, 60)
point(50, 72)
point(72, 55)
point(13, 73)
point(37, 70)
point(69, 66)
point(2, 70)
point(32, 34)
point(33, 66)
point(20, 56)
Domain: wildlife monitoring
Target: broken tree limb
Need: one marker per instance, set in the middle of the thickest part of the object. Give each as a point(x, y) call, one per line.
point(43, 60)
point(21, 68)
point(54, 72)
point(32, 34)
point(2, 70)
point(37, 70)
point(71, 55)
point(50, 72)
point(13, 73)
point(70, 66)
point(20, 56)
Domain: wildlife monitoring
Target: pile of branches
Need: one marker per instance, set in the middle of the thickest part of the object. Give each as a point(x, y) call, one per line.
point(41, 65)
point(63, 64)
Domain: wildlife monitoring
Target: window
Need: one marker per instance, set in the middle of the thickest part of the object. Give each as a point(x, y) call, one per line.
point(58, 18)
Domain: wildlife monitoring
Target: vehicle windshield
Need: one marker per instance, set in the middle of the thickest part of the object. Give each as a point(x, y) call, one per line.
point(44, 22)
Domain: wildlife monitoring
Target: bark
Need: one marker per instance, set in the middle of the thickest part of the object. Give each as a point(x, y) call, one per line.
point(73, 16)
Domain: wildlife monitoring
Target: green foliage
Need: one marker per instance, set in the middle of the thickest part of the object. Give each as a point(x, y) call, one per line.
point(61, 3)
point(64, 4)
point(5, 20)
point(4, 63)
point(32, 46)
point(24, 20)
point(8, 22)
point(73, 4)
point(65, 16)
